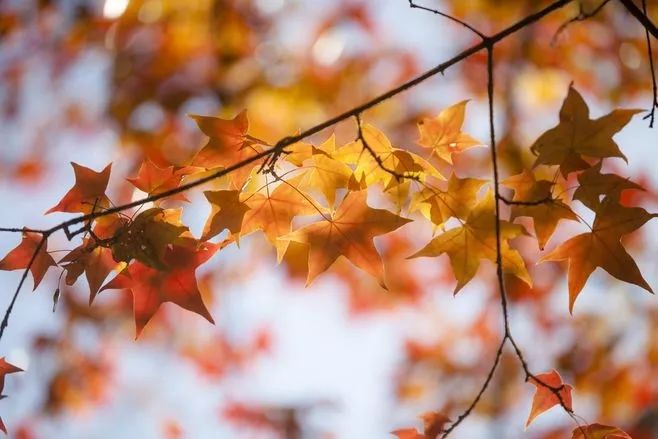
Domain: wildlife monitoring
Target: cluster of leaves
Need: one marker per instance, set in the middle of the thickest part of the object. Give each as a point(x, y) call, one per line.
point(327, 187)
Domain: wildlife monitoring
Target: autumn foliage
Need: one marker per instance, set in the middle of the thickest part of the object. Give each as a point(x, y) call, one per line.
point(375, 208)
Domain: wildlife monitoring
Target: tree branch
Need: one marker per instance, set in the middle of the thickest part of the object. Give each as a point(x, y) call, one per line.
point(5, 320)
point(582, 16)
point(413, 5)
point(641, 17)
point(654, 104)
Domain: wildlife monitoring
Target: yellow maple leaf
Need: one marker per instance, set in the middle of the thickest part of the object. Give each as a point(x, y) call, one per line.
point(443, 133)
point(475, 240)
point(547, 213)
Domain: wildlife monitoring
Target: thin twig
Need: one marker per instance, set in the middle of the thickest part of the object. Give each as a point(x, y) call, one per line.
point(641, 17)
point(483, 388)
point(545, 200)
point(5, 320)
point(582, 16)
point(399, 177)
point(21, 230)
point(413, 5)
point(654, 105)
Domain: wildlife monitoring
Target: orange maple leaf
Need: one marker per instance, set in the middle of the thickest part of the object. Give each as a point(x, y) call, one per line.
point(599, 431)
point(154, 180)
point(594, 184)
point(151, 287)
point(95, 261)
point(443, 133)
point(577, 135)
point(433, 425)
point(88, 192)
point(545, 398)
point(227, 213)
point(349, 232)
point(5, 369)
point(273, 212)
point(227, 145)
point(474, 240)
point(407, 433)
point(20, 257)
point(602, 248)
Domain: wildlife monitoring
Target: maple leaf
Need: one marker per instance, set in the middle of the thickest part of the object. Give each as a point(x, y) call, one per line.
point(273, 213)
point(227, 213)
point(546, 214)
point(151, 287)
point(433, 425)
point(599, 431)
point(545, 398)
point(154, 180)
point(325, 173)
point(370, 171)
point(602, 248)
point(349, 232)
point(5, 369)
point(443, 133)
point(408, 433)
point(299, 152)
point(457, 201)
point(227, 145)
point(20, 257)
point(146, 238)
point(577, 135)
point(594, 185)
point(475, 240)
point(95, 261)
point(88, 192)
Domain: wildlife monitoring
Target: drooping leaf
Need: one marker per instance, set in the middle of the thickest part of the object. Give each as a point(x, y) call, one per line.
point(349, 232)
point(88, 192)
point(227, 213)
point(599, 431)
point(577, 135)
point(433, 425)
point(602, 248)
point(93, 260)
point(20, 256)
point(146, 238)
point(475, 240)
point(177, 284)
point(545, 398)
point(5, 369)
point(594, 185)
point(227, 145)
point(407, 433)
point(443, 133)
point(547, 213)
